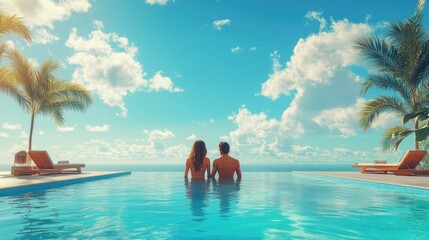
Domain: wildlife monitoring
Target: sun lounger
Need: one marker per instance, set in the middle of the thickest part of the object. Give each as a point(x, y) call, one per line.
point(46, 166)
point(406, 166)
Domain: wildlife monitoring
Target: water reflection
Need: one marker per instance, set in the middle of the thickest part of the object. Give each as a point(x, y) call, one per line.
point(226, 190)
point(196, 191)
point(28, 206)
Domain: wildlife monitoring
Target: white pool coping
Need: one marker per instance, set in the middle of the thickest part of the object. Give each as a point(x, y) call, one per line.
point(10, 183)
point(420, 182)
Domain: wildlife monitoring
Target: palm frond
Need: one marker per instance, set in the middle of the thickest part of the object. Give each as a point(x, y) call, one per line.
point(70, 91)
point(47, 70)
point(14, 24)
point(418, 12)
point(3, 48)
point(377, 52)
point(421, 115)
point(373, 108)
point(421, 70)
point(385, 81)
point(23, 72)
point(393, 137)
point(9, 86)
point(61, 96)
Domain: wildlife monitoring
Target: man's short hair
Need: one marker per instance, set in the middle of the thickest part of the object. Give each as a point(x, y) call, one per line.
point(224, 147)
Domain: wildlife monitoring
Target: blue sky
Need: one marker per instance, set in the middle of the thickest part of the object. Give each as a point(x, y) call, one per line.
point(279, 80)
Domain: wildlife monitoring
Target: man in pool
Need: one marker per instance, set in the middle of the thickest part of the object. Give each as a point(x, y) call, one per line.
point(226, 165)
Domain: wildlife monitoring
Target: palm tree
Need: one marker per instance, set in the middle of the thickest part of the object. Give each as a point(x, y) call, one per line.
point(10, 24)
point(41, 92)
point(401, 61)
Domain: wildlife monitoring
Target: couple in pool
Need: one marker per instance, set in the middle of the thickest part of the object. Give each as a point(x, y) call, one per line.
point(225, 166)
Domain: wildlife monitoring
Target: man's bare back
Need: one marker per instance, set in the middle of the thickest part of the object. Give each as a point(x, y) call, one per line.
point(226, 166)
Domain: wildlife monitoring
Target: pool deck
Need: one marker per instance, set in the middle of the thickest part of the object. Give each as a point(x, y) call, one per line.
point(420, 182)
point(9, 182)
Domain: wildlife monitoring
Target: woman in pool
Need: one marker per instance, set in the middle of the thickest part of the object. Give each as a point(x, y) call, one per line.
point(197, 161)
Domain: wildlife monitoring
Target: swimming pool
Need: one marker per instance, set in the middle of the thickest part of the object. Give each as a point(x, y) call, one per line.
point(160, 205)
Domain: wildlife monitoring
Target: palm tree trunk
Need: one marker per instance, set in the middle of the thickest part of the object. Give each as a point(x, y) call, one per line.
point(30, 140)
point(416, 126)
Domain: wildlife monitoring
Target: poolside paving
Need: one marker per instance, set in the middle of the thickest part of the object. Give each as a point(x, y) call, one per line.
point(421, 182)
point(8, 181)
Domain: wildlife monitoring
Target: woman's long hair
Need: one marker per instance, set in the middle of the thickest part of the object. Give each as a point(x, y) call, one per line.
point(198, 153)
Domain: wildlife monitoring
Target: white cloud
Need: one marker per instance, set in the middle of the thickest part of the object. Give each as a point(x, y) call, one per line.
point(154, 148)
point(107, 65)
point(218, 24)
point(131, 152)
point(157, 2)
point(252, 129)
point(236, 49)
point(319, 67)
point(386, 120)
point(156, 135)
point(313, 15)
point(4, 135)
point(252, 49)
point(9, 126)
point(45, 12)
point(10, 44)
point(33, 62)
point(43, 36)
point(211, 120)
point(41, 132)
point(102, 128)
point(159, 82)
point(23, 135)
point(192, 137)
point(65, 129)
point(342, 120)
point(316, 60)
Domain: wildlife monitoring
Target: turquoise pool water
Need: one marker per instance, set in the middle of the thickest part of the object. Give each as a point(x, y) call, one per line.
point(161, 205)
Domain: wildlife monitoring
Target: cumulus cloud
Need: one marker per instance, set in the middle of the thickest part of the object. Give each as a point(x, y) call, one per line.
point(124, 151)
point(159, 82)
point(65, 129)
point(102, 128)
point(107, 65)
point(9, 126)
point(154, 147)
point(192, 137)
point(45, 12)
point(236, 49)
point(4, 135)
point(313, 15)
point(23, 135)
point(319, 66)
point(219, 24)
point(156, 135)
point(263, 135)
point(342, 120)
point(157, 2)
point(43, 36)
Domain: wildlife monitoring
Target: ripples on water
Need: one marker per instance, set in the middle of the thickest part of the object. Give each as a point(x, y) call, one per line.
point(272, 205)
